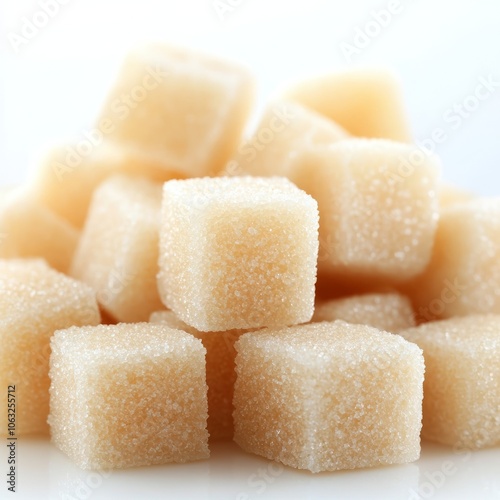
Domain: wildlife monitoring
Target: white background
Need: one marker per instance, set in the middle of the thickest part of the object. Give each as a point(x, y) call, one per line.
point(52, 86)
point(51, 89)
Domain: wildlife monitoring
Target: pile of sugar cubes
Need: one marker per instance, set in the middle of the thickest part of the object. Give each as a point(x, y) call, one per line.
point(312, 291)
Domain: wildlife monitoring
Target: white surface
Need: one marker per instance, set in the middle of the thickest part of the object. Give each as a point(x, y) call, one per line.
point(230, 474)
point(51, 89)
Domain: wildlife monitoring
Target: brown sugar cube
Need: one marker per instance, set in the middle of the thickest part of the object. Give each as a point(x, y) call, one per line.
point(329, 396)
point(65, 180)
point(29, 230)
point(451, 195)
point(238, 252)
point(128, 395)
point(366, 102)
point(118, 251)
point(185, 107)
point(462, 380)
point(35, 301)
point(285, 132)
point(386, 311)
point(463, 276)
point(220, 372)
point(378, 208)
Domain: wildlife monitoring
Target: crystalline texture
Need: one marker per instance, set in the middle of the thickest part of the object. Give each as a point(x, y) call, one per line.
point(238, 252)
point(329, 396)
point(128, 395)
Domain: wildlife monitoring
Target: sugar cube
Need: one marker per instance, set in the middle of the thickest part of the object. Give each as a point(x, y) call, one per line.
point(35, 301)
point(67, 177)
point(128, 395)
point(378, 208)
point(328, 396)
point(220, 372)
point(238, 252)
point(450, 195)
point(28, 229)
point(285, 132)
point(185, 107)
point(366, 102)
point(463, 276)
point(118, 251)
point(386, 311)
point(462, 380)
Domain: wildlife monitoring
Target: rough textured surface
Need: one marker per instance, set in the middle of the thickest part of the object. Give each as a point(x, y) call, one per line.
point(329, 396)
point(187, 108)
point(366, 102)
point(221, 374)
point(378, 208)
point(66, 179)
point(387, 311)
point(463, 276)
point(128, 395)
point(285, 132)
point(28, 229)
point(118, 251)
point(34, 302)
point(238, 252)
point(462, 380)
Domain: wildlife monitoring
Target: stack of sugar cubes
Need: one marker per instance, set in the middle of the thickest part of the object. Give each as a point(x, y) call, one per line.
point(313, 291)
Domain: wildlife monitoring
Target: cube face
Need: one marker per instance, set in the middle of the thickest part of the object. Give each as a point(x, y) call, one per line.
point(30, 230)
point(221, 374)
point(378, 208)
point(462, 380)
point(68, 176)
point(118, 252)
point(386, 311)
point(367, 103)
point(328, 396)
point(238, 253)
point(187, 108)
point(285, 132)
point(34, 302)
point(463, 276)
point(128, 395)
